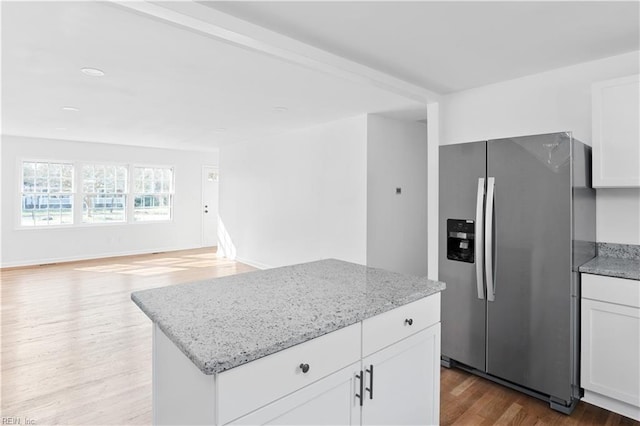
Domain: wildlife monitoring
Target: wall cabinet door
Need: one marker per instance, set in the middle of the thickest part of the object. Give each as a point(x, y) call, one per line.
point(616, 133)
point(405, 387)
point(330, 401)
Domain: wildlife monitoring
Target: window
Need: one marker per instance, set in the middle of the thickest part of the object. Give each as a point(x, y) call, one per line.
point(108, 193)
point(153, 193)
point(104, 193)
point(47, 194)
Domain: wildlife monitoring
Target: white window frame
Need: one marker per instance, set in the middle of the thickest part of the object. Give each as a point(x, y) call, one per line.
point(133, 193)
point(78, 191)
point(81, 193)
point(20, 185)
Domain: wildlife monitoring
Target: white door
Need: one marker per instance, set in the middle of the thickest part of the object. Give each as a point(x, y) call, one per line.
point(405, 383)
point(209, 206)
point(329, 401)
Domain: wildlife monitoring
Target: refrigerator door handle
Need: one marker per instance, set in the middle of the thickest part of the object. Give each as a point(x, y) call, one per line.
point(488, 241)
point(479, 238)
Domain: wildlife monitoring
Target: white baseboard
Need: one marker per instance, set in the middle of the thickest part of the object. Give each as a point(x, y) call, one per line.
point(253, 263)
point(611, 404)
point(47, 261)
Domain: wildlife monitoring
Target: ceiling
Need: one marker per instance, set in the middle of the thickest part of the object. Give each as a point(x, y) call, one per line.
point(447, 46)
point(164, 86)
point(167, 86)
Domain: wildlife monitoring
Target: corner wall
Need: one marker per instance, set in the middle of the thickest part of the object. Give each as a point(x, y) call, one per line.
point(42, 245)
point(397, 223)
point(296, 197)
point(558, 100)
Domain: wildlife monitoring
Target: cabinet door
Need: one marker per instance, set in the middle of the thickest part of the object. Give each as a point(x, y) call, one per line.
point(406, 381)
point(616, 133)
point(611, 350)
point(330, 401)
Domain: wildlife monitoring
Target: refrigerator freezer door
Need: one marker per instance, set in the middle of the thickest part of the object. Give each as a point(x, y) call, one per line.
point(463, 312)
point(529, 322)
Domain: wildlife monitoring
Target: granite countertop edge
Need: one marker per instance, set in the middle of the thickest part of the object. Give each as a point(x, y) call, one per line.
point(613, 267)
point(210, 367)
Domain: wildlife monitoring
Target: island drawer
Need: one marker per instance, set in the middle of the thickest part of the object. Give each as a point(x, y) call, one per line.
point(385, 329)
point(257, 383)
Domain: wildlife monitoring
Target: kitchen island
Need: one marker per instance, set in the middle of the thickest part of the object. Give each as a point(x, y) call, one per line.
point(326, 342)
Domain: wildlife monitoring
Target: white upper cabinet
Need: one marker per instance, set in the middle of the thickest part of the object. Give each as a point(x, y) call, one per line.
point(616, 133)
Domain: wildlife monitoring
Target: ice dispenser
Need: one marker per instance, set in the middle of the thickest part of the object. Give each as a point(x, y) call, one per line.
point(460, 240)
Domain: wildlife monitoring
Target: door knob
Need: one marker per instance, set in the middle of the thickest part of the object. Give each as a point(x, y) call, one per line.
point(206, 211)
point(304, 367)
point(409, 321)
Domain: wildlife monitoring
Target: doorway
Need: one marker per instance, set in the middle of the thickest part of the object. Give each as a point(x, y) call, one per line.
point(210, 179)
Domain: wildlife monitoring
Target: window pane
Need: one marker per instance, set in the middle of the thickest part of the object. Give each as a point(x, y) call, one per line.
point(47, 194)
point(104, 208)
point(153, 193)
point(28, 169)
point(110, 179)
point(150, 207)
point(121, 179)
point(47, 209)
point(88, 179)
point(55, 170)
point(147, 184)
point(28, 176)
point(28, 184)
point(104, 198)
point(54, 184)
point(67, 171)
point(67, 184)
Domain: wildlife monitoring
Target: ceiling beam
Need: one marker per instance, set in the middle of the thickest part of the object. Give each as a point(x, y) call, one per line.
point(210, 22)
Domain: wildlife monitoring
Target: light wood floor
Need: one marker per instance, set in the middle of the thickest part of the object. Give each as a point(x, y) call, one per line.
point(76, 350)
point(470, 400)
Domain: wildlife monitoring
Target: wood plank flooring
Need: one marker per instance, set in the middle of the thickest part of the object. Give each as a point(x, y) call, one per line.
point(76, 351)
point(466, 399)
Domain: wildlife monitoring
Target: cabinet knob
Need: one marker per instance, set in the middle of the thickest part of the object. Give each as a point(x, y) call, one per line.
point(304, 367)
point(409, 321)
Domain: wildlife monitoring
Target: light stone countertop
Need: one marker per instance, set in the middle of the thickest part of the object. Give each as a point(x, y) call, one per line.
point(226, 322)
point(613, 267)
point(615, 260)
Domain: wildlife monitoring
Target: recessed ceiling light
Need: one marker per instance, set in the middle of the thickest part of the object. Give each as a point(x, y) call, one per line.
point(280, 108)
point(93, 72)
point(70, 108)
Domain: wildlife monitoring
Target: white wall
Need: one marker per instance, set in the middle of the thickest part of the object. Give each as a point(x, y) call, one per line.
point(557, 100)
point(618, 215)
point(296, 197)
point(41, 245)
point(397, 224)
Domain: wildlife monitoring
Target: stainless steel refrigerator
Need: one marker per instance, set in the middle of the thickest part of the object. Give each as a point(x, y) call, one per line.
point(517, 217)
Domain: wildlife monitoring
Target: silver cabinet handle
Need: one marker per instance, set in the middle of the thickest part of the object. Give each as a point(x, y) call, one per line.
point(488, 241)
point(478, 242)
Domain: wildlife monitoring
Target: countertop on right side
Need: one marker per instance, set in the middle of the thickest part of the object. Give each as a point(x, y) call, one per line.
point(615, 260)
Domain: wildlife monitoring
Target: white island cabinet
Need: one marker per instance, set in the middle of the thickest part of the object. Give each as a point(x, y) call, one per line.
point(327, 343)
point(610, 367)
point(396, 382)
